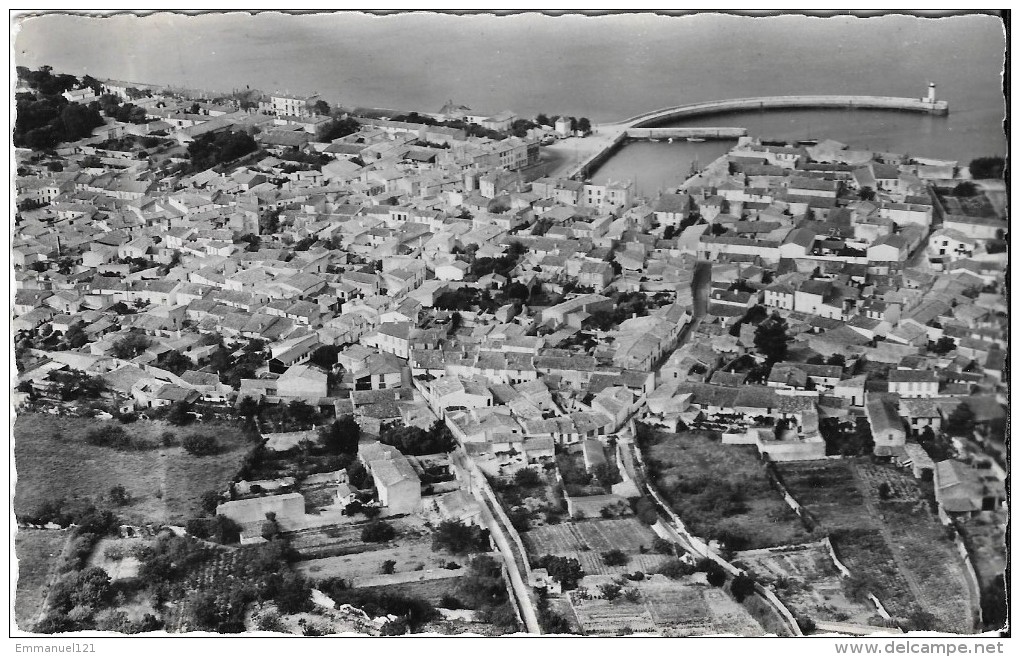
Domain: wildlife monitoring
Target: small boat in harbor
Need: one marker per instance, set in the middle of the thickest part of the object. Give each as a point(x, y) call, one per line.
point(670, 140)
point(695, 139)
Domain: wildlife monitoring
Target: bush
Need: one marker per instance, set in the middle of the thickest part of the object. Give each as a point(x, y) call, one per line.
point(450, 602)
point(200, 445)
point(527, 478)
point(615, 558)
point(806, 624)
point(662, 546)
point(675, 569)
point(168, 439)
point(388, 566)
point(377, 532)
point(742, 587)
point(565, 570)
point(645, 510)
point(119, 496)
point(456, 537)
point(610, 591)
point(716, 574)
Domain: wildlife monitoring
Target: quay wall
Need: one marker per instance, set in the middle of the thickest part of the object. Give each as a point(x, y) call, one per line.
point(686, 133)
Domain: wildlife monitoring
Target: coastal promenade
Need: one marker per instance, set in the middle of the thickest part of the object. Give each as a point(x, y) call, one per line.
point(579, 156)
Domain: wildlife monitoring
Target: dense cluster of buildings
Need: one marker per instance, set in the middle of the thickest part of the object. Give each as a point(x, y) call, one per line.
point(528, 313)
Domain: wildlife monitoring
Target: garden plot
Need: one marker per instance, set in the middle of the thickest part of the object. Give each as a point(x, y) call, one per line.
point(117, 557)
point(409, 555)
point(901, 486)
point(338, 540)
point(931, 556)
point(626, 534)
point(807, 581)
point(671, 608)
point(829, 491)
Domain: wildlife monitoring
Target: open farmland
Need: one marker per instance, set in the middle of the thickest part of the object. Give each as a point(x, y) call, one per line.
point(53, 461)
point(720, 491)
point(37, 552)
point(671, 608)
point(807, 581)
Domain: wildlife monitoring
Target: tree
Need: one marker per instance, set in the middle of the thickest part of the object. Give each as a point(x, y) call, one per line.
point(944, 345)
point(301, 412)
point(770, 338)
point(92, 588)
point(645, 510)
point(965, 189)
point(542, 119)
point(615, 558)
point(610, 591)
point(866, 194)
point(388, 566)
point(336, 129)
point(742, 587)
point(174, 361)
point(713, 571)
point(341, 436)
point(209, 501)
point(270, 528)
point(456, 537)
point(76, 337)
point(179, 413)
point(961, 421)
point(884, 490)
point(377, 531)
point(985, 168)
point(200, 445)
point(584, 125)
point(565, 570)
point(130, 346)
point(527, 478)
point(836, 359)
point(321, 107)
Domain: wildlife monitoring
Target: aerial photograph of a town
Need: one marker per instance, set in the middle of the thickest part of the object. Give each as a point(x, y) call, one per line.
point(600, 324)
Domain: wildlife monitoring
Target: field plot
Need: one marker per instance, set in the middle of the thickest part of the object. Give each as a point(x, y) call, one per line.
point(410, 554)
point(895, 546)
point(902, 487)
point(671, 608)
point(807, 581)
point(432, 590)
point(587, 540)
point(37, 551)
point(165, 485)
point(338, 540)
point(720, 491)
point(931, 557)
point(829, 491)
